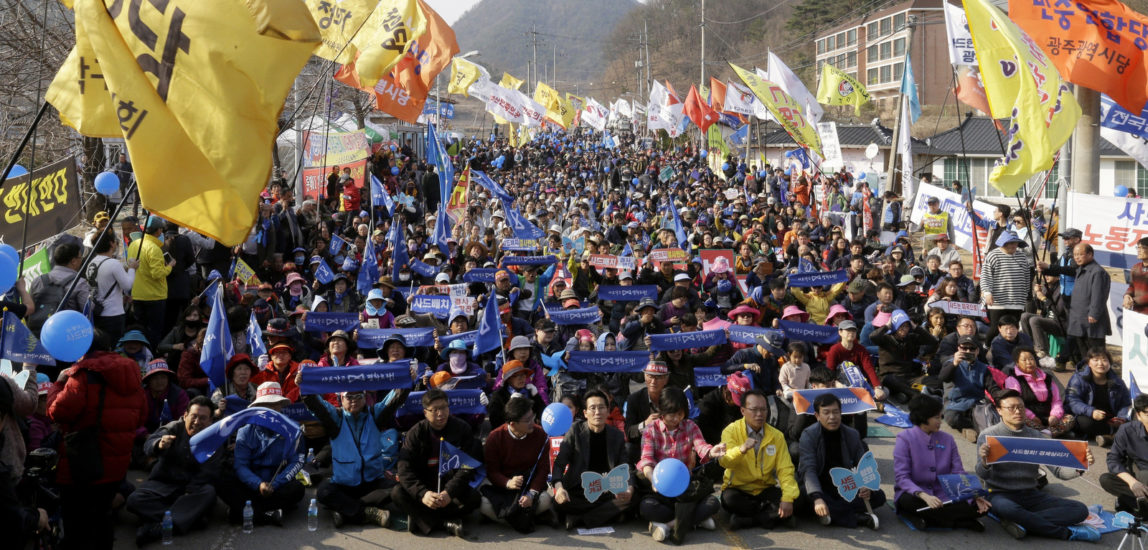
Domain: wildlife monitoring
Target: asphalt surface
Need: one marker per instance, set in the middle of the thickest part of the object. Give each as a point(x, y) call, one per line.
point(893, 533)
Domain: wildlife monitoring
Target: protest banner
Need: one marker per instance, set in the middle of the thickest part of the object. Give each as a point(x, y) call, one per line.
point(959, 218)
point(1038, 450)
point(686, 340)
point(603, 261)
point(616, 481)
point(243, 272)
point(818, 278)
point(710, 377)
point(1112, 225)
point(853, 400)
point(747, 334)
point(37, 264)
point(479, 275)
point(460, 402)
point(439, 306)
point(583, 316)
point(52, 200)
point(379, 376)
point(633, 293)
point(607, 361)
point(809, 332)
point(373, 338)
point(321, 321)
point(322, 152)
point(520, 245)
point(960, 308)
point(675, 255)
point(850, 481)
point(1134, 349)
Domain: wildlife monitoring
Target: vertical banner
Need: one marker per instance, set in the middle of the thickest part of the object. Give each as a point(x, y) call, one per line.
point(1134, 352)
point(1112, 225)
point(321, 152)
point(51, 198)
point(830, 146)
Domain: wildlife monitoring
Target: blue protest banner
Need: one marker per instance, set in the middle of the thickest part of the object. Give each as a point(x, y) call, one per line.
point(479, 275)
point(529, 260)
point(853, 400)
point(461, 402)
point(295, 411)
point(709, 377)
point(633, 293)
point(1113, 116)
point(469, 337)
point(809, 332)
point(607, 361)
point(204, 443)
point(439, 306)
point(961, 486)
point(1035, 450)
point(894, 417)
point(584, 316)
point(373, 338)
point(19, 345)
point(749, 334)
point(379, 376)
point(330, 322)
point(520, 245)
point(686, 340)
point(818, 278)
point(423, 268)
point(323, 273)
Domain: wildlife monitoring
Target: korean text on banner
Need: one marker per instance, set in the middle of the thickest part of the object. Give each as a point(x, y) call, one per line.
point(321, 152)
point(1037, 450)
point(959, 217)
point(1134, 352)
point(783, 108)
point(961, 51)
point(1112, 225)
point(54, 204)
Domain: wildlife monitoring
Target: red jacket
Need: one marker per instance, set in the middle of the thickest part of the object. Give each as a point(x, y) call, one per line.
point(286, 382)
point(859, 356)
point(73, 403)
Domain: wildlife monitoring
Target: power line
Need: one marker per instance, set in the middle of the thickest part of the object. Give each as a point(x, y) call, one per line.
point(740, 21)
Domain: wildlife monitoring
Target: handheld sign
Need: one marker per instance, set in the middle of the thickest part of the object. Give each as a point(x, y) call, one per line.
point(1033, 450)
point(853, 400)
point(850, 482)
point(617, 481)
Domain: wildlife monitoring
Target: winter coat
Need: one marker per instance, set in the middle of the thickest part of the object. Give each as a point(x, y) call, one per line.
point(1081, 390)
point(24, 402)
point(1090, 299)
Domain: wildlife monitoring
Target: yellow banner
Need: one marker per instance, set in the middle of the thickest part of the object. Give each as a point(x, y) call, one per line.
point(838, 88)
point(456, 206)
point(510, 82)
point(243, 272)
point(385, 37)
point(551, 100)
point(338, 23)
point(463, 73)
point(783, 108)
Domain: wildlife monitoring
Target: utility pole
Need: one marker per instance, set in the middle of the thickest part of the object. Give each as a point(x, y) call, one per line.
point(703, 79)
point(646, 45)
point(892, 170)
point(1086, 144)
point(534, 43)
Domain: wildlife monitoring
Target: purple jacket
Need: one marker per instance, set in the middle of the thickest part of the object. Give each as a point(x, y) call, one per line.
point(918, 458)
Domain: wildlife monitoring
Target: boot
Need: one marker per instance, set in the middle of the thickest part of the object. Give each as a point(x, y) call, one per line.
point(683, 520)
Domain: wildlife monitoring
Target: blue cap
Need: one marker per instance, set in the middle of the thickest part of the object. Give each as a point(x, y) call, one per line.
point(899, 318)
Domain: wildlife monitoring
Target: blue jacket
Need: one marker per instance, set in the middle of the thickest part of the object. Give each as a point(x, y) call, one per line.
point(356, 440)
point(1080, 390)
point(258, 455)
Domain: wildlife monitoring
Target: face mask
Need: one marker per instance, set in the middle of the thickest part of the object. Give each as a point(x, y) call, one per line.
point(404, 277)
point(457, 363)
point(160, 238)
point(371, 310)
point(299, 260)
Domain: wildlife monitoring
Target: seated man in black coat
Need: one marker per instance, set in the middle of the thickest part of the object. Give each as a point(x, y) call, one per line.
point(591, 446)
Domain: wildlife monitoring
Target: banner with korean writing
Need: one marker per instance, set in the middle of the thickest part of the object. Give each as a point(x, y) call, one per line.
point(675, 255)
point(52, 200)
point(583, 316)
point(686, 340)
point(961, 51)
point(322, 321)
point(439, 306)
point(35, 265)
point(1096, 43)
point(1112, 225)
point(1113, 116)
point(960, 308)
point(710, 377)
point(1038, 450)
point(381, 376)
point(853, 400)
point(1134, 351)
point(321, 152)
point(373, 338)
point(613, 262)
point(608, 361)
point(633, 293)
point(460, 402)
point(959, 217)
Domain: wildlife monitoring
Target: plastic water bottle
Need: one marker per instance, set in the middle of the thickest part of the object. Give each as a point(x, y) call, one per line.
point(248, 518)
point(310, 456)
point(313, 516)
point(167, 527)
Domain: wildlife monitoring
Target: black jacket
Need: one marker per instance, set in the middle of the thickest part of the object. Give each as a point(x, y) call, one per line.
point(574, 455)
point(418, 459)
point(176, 464)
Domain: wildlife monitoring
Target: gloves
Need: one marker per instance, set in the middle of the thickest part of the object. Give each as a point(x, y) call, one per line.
point(483, 399)
point(533, 390)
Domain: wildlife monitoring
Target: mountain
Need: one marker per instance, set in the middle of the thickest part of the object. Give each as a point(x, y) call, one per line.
point(570, 33)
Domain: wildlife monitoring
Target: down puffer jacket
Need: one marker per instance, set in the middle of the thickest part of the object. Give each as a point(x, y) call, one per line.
point(73, 405)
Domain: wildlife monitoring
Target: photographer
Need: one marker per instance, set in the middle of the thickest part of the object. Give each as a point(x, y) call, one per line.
point(16, 521)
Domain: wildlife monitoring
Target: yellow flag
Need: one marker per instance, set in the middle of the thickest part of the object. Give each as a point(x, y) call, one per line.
point(80, 94)
point(385, 37)
point(510, 82)
point(197, 92)
point(717, 142)
point(1022, 83)
point(463, 73)
point(567, 111)
point(838, 88)
point(783, 108)
point(338, 22)
point(551, 100)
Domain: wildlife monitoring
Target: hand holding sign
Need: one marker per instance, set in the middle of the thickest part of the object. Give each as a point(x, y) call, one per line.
point(1033, 450)
point(617, 481)
point(850, 483)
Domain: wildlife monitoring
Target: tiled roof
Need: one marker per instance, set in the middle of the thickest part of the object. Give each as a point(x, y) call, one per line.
point(981, 138)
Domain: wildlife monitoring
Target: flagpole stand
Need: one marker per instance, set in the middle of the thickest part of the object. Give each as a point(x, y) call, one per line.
point(1134, 530)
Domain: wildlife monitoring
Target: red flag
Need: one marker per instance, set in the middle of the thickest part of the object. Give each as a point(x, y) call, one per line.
point(717, 94)
point(701, 114)
point(971, 91)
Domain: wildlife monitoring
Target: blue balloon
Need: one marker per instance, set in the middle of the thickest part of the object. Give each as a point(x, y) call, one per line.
point(394, 170)
point(578, 151)
point(634, 181)
point(8, 267)
point(703, 153)
point(671, 477)
point(396, 147)
point(788, 171)
point(725, 166)
point(17, 171)
point(67, 335)
point(556, 419)
point(1121, 191)
point(107, 183)
point(9, 251)
point(607, 169)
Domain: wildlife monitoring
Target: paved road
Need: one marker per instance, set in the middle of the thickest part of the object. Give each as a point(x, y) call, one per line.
point(810, 534)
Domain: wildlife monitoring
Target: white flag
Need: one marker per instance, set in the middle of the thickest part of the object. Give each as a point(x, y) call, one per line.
point(738, 99)
point(624, 110)
point(1134, 146)
point(781, 75)
point(595, 114)
point(501, 102)
point(961, 50)
point(533, 113)
point(658, 95)
point(905, 147)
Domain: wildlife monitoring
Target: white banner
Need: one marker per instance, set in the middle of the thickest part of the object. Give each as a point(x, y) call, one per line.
point(1134, 146)
point(738, 99)
point(595, 115)
point(664, 110)
point(830, 145)
point(501, 102)
point(961, 50)
point(905, 147)
point(1116, 313)
point(959, 216)
point(1112, 225)
point(533, 113)
point(781, 75)
point(1134, 355)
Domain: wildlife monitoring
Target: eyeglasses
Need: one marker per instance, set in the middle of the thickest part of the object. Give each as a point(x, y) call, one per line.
point(1013, 409)
point(597, 408)
point(434, 410)
point(755, 410)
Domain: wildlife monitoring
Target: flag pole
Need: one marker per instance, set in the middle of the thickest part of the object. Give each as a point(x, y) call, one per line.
point(440, 440)
point(88, 257)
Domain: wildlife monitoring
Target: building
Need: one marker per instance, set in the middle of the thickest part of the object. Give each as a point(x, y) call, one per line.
point(872, 49)
point(854, 140)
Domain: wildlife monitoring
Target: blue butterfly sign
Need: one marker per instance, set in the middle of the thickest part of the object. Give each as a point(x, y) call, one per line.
point(617, 481)
point(849, 482)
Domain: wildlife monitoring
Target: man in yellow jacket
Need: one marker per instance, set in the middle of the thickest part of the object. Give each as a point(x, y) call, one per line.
point(149, 292)
point(759, 486)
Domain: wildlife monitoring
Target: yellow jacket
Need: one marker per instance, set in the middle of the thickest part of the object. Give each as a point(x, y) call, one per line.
point(818, 306)
point(756, 471)
point(151, 277)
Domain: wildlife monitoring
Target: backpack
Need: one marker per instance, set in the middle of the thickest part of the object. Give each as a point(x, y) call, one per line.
point(47, 297)
point(94, 297)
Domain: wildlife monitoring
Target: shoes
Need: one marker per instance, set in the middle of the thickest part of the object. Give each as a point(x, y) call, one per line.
point(338, 519)
point(970, 434)
point(869, 520)
point(917, 522)
point(1104, 440)
point(708, 524)
point(659, 531)
point(551, 518)
point(148, 533)
point(455, 528)
point(824, 520)
point(1085, 533)
point(571, 522)
point(377, 516)
point(739, 522)
point(1015, 531)
point(974, 525)
point(275, 517)
point(1047, 363)
point(790, 522)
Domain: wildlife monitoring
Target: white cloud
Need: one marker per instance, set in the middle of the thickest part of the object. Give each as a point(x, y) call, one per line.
point(451, 10)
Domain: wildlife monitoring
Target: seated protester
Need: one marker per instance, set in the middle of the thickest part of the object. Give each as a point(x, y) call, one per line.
point(821, 378)
point(817, 300)
point(375, 313)
point(1128, 463)
point(885, 294)
point(239, 371)
point(794, 374)
point(849, 350)
point(1098, 398)
point(520, 350)
point(682, 364)
point(282, 369)
point(357, 490)
point(643, 322)
point(1050, 305)
point(342, 298)
point(830, 444)
point(517, 467)
point(295, 292)
point(180, 338)
point(1044, 408)
point(936, 323)
point(760, 362)
point(261, 475)
point(166, 401)
point(900, 344)
point(1013, 493)
point(134, 346)
point(544, 341)
point(921, 454)
point(745, 315)
point(966, 326)
point(1009, 339)
point(515, 385)
point(642, 406)
point(970, 379)
point(720, 407)
point(178, 482)
point(456, 361)
point(418, 471)
point(673, 435)
point(759, 487)
point(592, 445)
point(340, 351)
point(678, 305)
point(774, 304)
point(858, 299)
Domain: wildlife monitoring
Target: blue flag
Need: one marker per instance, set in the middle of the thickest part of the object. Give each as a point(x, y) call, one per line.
point(19, 345)
point(337, 245)
point(436, 151)
point(679, 231)
point(961, 486)
point(323, 273)
point(489, 332)
point(254, 337)
point(205, 443)
point(909, 89)
point(399, 255)
point(369, 271)
point(217, 346)
point(490, 185)
point(451, 458)
point(380, 197)
point(521, 227)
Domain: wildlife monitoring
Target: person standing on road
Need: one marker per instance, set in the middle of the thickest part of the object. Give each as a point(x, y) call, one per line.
point(149, 291)
point(1088, 323)
point(1006, 279)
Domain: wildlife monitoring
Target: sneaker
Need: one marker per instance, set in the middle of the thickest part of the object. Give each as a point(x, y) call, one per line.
point(659, 531)
point(1015, 531)
point(970, 434)
point(739, 522)
point(869, 520)
point(1047, 363)
point(708, 524)
point(974, 525)
point(377, 516)
point(275, 517)
point(1104, 440)
point(916, 521)
point(337, 519)
point(148, 533)
point(455, 528)
point(790, 521)
point(824, 520)
point(1085, 533)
